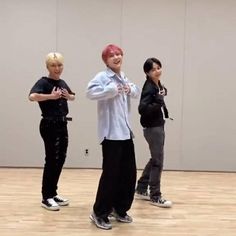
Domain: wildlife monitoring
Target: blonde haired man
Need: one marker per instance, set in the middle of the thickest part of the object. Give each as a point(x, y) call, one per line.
point(52, 94)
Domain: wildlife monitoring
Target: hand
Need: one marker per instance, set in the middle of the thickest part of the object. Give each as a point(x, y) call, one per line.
point(56, 93)
point(120, 88)
point(65, 94)
point(162, 92)
point(126, 89)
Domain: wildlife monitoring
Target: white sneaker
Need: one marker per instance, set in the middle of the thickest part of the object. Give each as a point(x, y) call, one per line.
point(61, 201)
point(50, 204)
point(161, 202)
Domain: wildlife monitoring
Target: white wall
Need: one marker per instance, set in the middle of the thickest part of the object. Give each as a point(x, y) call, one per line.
point(195, 40)
point(209, 114)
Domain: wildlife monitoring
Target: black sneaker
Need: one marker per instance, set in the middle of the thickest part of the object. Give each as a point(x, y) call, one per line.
point(102, 223)
point(50, 204)
point(61, 201)
point(142, 195)
point(124, 219)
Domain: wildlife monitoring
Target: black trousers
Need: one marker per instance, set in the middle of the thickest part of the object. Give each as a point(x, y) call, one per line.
point(55, 137)
point(117, 182)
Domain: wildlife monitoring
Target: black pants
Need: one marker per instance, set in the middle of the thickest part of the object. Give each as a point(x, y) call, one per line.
point(117, 182)
point(55, 137)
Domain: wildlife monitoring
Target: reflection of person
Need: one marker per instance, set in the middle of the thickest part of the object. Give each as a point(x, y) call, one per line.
point(52, 94)
point(116, 188)
point(153, 114)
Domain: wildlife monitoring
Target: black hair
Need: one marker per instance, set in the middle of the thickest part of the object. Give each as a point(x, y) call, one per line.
point(148, 64)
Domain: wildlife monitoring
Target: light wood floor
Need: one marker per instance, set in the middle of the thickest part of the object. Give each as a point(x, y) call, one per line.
point(204, 204)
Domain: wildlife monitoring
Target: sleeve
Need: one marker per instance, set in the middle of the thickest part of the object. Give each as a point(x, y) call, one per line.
point(101, 88)
point(68, 88)
point(134, 90)
point(38, 87)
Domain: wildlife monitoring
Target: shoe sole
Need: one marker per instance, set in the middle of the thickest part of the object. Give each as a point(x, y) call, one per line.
point(124, 221)
point(63, 203)
point(50, 208)
point(98, 226)
point(162, 206)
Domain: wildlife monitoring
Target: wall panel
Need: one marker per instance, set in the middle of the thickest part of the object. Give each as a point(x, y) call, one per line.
point(195, 40)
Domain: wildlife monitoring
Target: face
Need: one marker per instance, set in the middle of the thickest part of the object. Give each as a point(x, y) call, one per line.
point(55, 69)
point(114, 61)
point(155, 72)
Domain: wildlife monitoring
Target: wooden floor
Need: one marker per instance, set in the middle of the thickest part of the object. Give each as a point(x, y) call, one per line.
point(204, 204)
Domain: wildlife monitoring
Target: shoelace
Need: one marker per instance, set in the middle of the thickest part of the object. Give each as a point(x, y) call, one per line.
point(59, 198)
point(162, 201)
point(51, 201)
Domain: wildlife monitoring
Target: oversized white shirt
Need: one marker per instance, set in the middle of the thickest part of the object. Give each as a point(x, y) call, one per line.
point(113, 108)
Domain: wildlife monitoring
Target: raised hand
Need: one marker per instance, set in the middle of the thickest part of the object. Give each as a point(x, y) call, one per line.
point(56, 93)
point(65, 93)
point(120, 88)
point(126, 89)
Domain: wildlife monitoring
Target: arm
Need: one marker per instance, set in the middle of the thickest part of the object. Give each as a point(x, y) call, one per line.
point(40, 97)
point(66, 92)
point(101, 90)
point(134, 91)
point(69, 96)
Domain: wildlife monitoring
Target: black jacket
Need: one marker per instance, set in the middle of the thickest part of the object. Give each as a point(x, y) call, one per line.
point(152, 107)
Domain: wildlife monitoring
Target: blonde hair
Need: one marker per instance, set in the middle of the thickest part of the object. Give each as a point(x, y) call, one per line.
point(54, 56)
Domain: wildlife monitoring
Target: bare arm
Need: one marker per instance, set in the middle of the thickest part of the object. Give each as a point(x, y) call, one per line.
point(39, 97)
point(65, 94)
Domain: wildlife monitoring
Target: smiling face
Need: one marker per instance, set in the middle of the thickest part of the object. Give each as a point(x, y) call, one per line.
point(155, 72)
point(114, 61)
point(55, 69)
point(54, 63)
point(153, 69)
point(112, 56)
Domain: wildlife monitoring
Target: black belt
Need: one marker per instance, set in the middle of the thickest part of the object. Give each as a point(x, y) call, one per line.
point(58, 118)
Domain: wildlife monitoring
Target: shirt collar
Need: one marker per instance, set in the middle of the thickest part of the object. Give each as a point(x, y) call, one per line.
point(110, 73)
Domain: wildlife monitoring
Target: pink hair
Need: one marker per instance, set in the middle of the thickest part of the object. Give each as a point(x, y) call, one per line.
point(109, 50)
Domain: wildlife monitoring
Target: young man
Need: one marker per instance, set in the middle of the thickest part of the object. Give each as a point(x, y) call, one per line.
point(153, 114)
point(52, 94)
point(116, 188)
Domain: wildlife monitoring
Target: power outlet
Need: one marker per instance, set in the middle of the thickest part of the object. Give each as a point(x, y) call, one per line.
point(86, 152)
